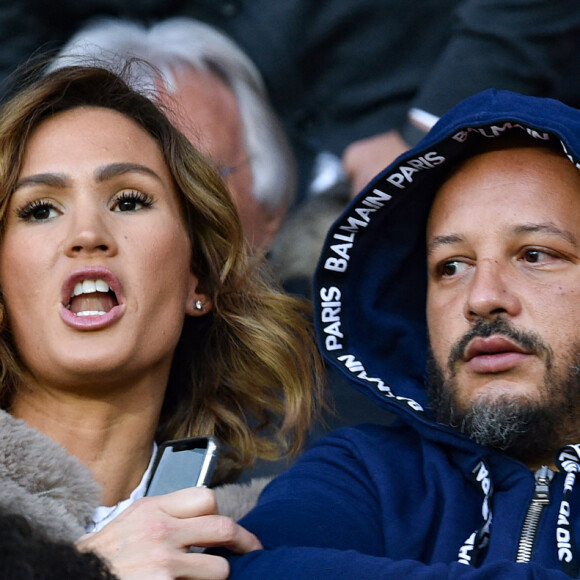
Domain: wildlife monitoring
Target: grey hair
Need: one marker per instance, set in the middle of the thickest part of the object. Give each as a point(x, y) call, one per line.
point(178, 42)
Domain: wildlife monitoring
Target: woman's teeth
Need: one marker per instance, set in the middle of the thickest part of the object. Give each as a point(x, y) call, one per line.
point(90, 287)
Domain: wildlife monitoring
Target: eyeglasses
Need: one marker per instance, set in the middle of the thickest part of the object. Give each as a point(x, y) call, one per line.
point(225, 171)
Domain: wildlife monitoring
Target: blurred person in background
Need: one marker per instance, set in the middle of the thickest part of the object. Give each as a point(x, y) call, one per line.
point(344, 71)
point(214, 94)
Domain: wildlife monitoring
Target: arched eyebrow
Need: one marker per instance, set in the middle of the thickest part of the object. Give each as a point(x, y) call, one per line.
point(115, 169)
point(61, 180)
point(50, 179)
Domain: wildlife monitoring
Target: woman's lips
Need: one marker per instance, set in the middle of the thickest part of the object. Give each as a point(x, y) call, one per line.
point(92, 321)
point(88, 286)
point(495, 354)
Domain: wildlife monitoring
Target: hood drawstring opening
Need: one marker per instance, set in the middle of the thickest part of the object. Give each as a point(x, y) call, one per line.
point(568, 461)
point(469, 552)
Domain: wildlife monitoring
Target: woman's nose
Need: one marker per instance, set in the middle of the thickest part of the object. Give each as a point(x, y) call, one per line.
point(89, 233)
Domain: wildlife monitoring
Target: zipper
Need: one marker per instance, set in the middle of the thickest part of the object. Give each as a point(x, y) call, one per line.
point(540, 500)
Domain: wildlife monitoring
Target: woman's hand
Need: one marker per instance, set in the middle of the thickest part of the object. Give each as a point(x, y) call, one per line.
point(150, 540)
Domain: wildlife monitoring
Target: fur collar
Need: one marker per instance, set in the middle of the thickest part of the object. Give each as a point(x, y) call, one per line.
point(56, 492)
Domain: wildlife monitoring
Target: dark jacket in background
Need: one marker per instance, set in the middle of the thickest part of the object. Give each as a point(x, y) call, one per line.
point(341, 70)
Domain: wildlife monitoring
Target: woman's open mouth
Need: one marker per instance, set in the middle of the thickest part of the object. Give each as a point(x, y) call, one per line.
point(92, 298)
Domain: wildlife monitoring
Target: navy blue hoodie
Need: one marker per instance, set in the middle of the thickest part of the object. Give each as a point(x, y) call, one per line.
point(415, 499)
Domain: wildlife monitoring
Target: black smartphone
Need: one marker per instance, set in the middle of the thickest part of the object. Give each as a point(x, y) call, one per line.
point(183, 463)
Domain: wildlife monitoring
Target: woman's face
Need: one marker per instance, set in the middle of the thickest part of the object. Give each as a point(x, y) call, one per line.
point(95, 259)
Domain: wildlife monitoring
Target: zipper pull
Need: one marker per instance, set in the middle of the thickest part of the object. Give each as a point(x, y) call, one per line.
point(543, 477)
point(541, 499)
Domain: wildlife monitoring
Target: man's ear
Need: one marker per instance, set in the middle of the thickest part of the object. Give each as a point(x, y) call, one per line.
point(197, 303)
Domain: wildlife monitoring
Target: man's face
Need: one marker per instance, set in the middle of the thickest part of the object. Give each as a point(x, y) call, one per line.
point(503, 302)
point(206, 111)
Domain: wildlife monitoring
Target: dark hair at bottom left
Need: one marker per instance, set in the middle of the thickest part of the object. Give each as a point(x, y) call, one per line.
point(27, 554)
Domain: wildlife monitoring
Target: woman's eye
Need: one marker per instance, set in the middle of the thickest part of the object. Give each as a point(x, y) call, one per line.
point(132, 201)
point(452, 268)
point(37, 211)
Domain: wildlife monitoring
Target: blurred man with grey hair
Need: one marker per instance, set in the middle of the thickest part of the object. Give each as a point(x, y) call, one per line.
point(216, 97)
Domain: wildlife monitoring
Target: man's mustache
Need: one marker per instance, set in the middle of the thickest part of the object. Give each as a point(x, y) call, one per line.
point(528, 341)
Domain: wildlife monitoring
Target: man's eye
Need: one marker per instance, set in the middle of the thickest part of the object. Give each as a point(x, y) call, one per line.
point(132, 201)
point(37, 211)
point(452, 268)
point(535, 256)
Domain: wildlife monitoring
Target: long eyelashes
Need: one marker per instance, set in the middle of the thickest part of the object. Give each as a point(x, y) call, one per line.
point(41, 210)
point(38, 210)
point(132, 200)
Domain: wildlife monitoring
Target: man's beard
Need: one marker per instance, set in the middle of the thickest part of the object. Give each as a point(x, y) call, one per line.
point(527, 428)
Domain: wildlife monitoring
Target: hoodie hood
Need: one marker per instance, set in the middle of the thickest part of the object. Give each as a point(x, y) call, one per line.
point(370, 284)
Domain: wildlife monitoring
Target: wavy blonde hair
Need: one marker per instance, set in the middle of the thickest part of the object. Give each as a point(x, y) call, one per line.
point(248, 372)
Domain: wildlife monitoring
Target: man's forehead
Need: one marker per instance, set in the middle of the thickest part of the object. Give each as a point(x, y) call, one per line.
point(517, 153)
point(533, 181)
point(504, 147)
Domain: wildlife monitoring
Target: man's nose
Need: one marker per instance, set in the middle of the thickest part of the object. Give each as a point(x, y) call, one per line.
point(89, 233)
point(491, 292)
